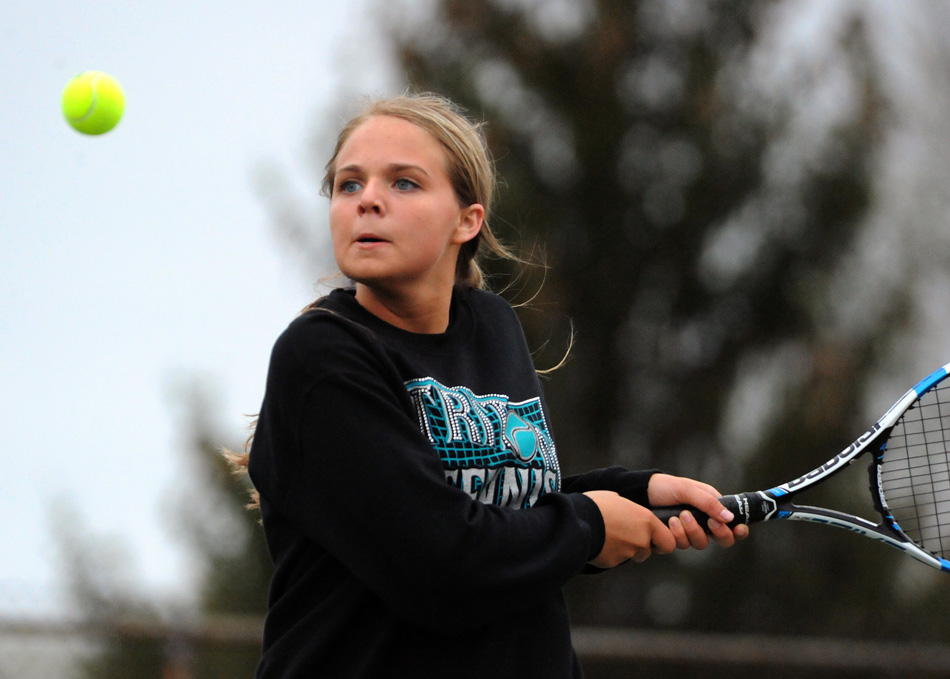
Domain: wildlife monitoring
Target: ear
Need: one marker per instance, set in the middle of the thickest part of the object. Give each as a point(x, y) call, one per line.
point(470, 223)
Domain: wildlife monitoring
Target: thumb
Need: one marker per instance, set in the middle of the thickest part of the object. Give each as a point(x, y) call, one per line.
point(714, 509)
point(661, 538)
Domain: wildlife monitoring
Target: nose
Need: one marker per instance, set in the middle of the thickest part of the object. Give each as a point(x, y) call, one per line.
point(370, 199)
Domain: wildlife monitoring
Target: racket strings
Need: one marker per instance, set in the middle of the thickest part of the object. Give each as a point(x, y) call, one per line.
point(915, 474)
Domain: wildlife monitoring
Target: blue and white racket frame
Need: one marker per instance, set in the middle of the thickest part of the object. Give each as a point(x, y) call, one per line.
point(776, 503)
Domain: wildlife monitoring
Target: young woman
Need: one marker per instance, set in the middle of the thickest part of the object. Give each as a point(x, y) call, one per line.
point(404, 463)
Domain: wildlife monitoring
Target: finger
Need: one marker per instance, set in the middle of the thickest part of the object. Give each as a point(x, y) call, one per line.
point(709, 490)
point(662, 539)
point(678, 529)
point(695, 535)
point(722, 534)
point(713, 508)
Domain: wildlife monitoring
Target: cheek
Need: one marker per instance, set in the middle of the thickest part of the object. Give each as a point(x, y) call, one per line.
point(338, 240)
point(337, 224)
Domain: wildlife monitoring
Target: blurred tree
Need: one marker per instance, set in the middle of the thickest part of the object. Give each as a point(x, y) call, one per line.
point(96, 574)
point(232, 570)
point(225, 539)
point(699, 181)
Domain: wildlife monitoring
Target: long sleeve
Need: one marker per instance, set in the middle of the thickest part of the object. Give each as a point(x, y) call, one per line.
point(630, 484)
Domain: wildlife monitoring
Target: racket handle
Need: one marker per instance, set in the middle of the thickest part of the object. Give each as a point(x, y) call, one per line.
point(734, 503)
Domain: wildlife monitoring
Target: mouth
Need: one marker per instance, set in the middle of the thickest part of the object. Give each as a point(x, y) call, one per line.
point(369, 239)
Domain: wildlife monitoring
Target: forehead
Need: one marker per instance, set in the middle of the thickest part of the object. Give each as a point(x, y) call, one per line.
point(386, 139)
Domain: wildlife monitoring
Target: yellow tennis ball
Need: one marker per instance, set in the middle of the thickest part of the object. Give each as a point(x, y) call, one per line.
point(93, 102)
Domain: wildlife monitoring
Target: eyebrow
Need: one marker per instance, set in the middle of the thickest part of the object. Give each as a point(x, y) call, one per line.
point(392, 168)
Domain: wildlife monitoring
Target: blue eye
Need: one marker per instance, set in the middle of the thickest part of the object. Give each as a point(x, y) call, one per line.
point(405, 184)
point(348, 186)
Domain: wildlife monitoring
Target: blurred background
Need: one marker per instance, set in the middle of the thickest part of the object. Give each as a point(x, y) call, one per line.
point(740, 208)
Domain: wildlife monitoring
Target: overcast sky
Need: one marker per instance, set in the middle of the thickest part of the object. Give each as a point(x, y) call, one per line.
point(141, 258)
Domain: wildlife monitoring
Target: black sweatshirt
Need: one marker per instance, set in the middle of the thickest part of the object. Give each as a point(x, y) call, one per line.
point(412, 501)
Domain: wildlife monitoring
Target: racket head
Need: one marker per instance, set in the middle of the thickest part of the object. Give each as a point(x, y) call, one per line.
point(910, 474)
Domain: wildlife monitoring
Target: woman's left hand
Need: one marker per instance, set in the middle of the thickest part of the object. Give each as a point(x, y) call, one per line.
point(665, 490)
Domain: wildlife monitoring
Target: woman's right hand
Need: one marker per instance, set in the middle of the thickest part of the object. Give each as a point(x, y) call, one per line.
point(633, 532)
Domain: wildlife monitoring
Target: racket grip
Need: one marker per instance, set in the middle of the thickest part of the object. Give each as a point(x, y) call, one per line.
point(731, 502)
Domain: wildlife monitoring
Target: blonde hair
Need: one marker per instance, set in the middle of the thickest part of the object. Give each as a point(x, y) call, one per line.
point(468, 163)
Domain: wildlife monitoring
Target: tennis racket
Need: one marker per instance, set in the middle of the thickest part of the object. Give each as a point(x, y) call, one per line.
point(909, 473)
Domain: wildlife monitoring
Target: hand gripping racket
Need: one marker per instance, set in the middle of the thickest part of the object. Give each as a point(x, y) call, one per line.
point(909, 475)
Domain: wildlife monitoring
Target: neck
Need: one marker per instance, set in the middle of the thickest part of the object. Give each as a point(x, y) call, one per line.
point(427, 314)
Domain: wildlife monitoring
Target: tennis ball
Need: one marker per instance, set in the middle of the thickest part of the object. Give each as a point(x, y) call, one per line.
point(93, 102)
